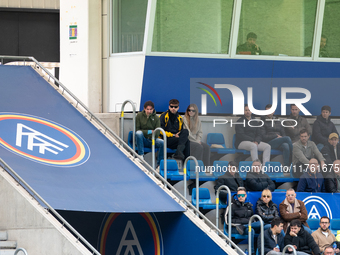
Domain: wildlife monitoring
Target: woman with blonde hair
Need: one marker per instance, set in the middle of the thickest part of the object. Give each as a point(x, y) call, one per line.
point(266, 208)
point(198, 149)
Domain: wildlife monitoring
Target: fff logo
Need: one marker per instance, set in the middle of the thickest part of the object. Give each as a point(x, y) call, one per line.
point(238, 99)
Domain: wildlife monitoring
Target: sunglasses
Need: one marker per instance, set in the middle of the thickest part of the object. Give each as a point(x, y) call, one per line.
point(266, 196)
point(173, 106)
point(241, 195)
point(191, 110)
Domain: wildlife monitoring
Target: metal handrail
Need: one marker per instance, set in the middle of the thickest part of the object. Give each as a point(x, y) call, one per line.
point(20, 249)
point(164, 153)
point(126, 147)
point(229, 205)
point(261, 233)
point(122, 121)
point(197, 179)
point(288, 246)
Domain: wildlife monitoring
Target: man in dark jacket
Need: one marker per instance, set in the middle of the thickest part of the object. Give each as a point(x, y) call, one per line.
point(273, 237)
point(312, 180)
point(331, 151)
point(249, 137)
point(323, 127)
point(241, 211)
point(231, 179)
point(146, 122)
point(332, 180)
point(256, 180)
point(302, 241)
point(274, 134)
point(177, 137)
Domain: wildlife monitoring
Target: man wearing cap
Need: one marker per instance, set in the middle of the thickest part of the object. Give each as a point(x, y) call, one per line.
point(331, 151)
point(323, 127)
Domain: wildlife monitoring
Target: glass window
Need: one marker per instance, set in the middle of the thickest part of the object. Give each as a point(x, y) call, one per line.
point(128, 25)
point(280, 28)
point(193, 26)
point(330, 45)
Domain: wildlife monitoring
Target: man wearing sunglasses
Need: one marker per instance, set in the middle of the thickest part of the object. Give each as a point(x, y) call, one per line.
point(177, 137)
point(323, 236)
point(241, 211)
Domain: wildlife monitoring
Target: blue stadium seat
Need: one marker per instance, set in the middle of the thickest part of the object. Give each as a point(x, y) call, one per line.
point(237, 150)
point(335, 225)
point(203, 176)
point(218, 139)
point(204, 198)
point(172, 170)
point(313, 224)
point(220, 167)
point(244, 167)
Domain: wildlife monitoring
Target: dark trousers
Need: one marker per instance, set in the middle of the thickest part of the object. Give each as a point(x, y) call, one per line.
point(173, 142)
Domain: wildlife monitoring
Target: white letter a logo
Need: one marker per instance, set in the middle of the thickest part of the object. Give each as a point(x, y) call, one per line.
point(129, 243)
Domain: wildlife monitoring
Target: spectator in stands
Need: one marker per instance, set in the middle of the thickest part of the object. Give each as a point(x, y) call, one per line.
point(291, 209)
point(249, 47)
point(332, 180)
point(323, 49)
point(249, 138)
point(146, 122)
point(331, 151)
point(192, 123)
point(231, 179)
point(274, 134)
point(303, 151)
point(329, 251)
point(177, 137)
point(302, 123)
point(323, 236)
point(272, 237)
point(256, 180)
point(266, 208)
point(323, 127)
point(302, 241)
point(241, 211)
point(312, 180)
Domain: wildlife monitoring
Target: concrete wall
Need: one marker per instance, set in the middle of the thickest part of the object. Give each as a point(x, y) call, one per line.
point(28, 223)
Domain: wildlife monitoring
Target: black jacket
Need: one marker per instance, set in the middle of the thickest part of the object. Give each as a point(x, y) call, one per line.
point(303, 241)
point(269, 242)
point(267, 213)
point(331, 183)
point(247, 133)
point(259, 182)
point(271, 129)
point(322, 128)
point(240, 212)
point(233, 182)
point(328, 153)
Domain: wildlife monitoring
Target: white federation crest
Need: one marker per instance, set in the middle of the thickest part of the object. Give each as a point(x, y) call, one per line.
point(317, 207)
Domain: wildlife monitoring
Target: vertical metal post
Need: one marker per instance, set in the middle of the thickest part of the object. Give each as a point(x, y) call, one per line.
point(134, 122)
point(229, 206)
point(261, 233)
point(185, 179)
point(165, 151)
point(288, 246)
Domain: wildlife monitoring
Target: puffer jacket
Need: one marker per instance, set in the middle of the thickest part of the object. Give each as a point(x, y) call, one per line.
point(304, 242)
point(240, 212)
point(322, 128)
point(267, 213)
point(259, 182)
